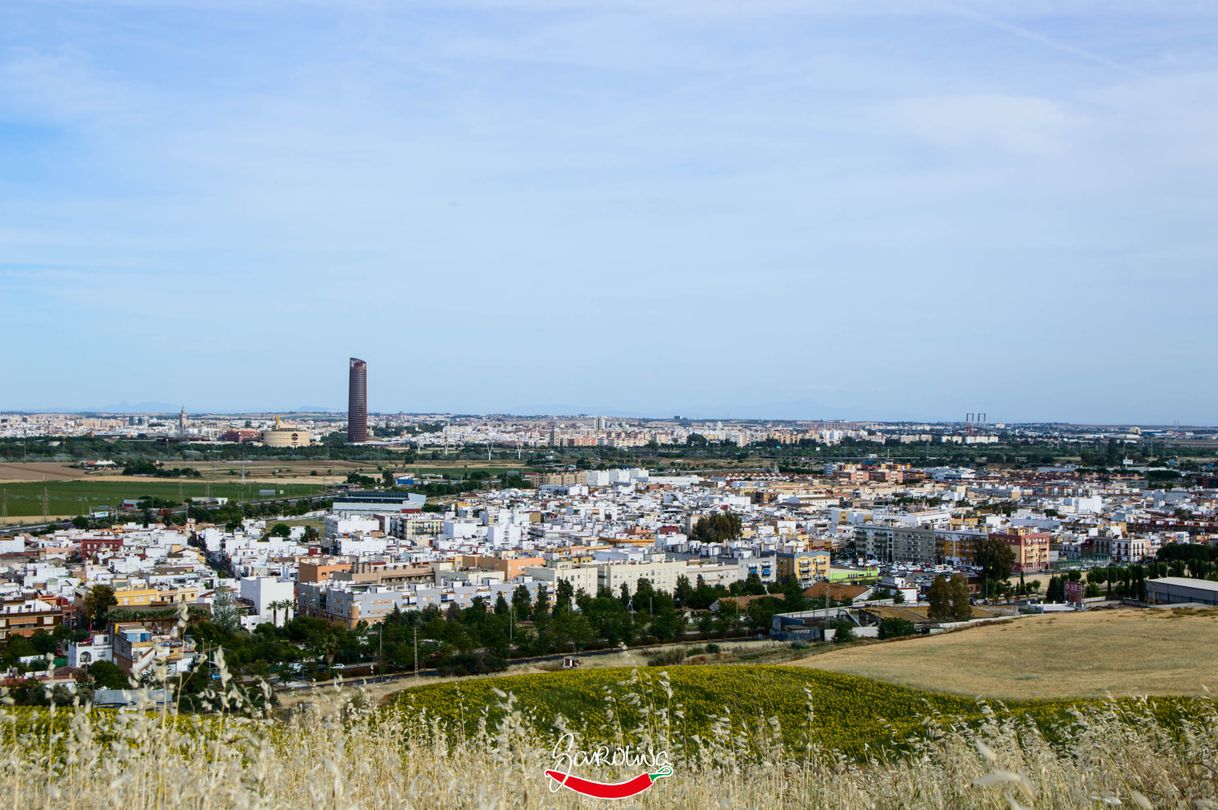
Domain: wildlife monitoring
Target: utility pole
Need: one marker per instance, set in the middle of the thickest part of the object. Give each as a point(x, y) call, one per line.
point(416, 651)
point(45, 513)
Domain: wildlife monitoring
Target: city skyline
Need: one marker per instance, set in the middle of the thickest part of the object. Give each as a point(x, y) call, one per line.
point(165, 409)
point(781, 209)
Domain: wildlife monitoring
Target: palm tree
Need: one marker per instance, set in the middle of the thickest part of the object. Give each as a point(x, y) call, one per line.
point(285, 605)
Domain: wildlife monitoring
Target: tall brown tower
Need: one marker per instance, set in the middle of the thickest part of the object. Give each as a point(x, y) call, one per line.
point(357, 401)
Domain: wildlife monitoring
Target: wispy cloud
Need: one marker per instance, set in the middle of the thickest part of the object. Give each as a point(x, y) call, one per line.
point(632, 196)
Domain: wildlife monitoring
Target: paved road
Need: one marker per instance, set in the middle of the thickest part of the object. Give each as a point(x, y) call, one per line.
point(361, 680)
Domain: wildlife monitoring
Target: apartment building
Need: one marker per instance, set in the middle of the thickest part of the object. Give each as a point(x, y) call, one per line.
point(1031, 550)
point(510, 567)
point(805, 566)
point(349, 604)
point(661, 574)
point(136, 648)
point(1123, 549)
point(918, 545)
point(584, 578)
point(23, 616)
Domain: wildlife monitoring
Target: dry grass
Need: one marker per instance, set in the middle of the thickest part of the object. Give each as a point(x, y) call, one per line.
point(1118, 652)
point(369, 759)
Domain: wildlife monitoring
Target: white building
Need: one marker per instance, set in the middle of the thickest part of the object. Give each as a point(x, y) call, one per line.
point(262, 592)
point(582, 577)
point(93, 649)
point(662, 574)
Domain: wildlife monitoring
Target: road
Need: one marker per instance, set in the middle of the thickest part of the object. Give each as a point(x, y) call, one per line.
point(433, 675)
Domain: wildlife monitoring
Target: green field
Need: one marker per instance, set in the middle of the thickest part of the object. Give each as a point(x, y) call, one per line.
point(746, 703)
point(80, 497)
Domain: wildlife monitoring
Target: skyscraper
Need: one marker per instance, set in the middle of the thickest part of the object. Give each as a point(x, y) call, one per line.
point(357, 401)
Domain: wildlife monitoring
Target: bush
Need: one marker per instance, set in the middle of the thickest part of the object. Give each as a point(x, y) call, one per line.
point(663, 658)
point(471, 663)
point(895, 628)
point(711, 649)
point(843, 631)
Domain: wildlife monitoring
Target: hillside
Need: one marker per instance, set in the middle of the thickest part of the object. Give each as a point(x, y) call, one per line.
point(1092, 654)
point(693, 703)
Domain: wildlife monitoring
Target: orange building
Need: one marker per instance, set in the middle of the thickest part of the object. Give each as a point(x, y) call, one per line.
point(1031, 550)
point(511, 567)
point(320, 571)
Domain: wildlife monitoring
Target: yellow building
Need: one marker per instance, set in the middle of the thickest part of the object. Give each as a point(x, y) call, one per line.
point(805, 566)
point(155, 597)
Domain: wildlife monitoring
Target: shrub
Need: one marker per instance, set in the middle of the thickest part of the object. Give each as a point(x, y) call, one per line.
point(894, 627)
point(674, 655)
point(843, 631)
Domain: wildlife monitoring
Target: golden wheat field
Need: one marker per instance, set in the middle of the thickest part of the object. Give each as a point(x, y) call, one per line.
point(1118, 652)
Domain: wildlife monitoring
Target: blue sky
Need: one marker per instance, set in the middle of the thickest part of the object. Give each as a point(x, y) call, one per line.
point(771, 208)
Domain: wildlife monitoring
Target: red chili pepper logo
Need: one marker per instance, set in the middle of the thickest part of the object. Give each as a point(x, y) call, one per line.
point(609, 790)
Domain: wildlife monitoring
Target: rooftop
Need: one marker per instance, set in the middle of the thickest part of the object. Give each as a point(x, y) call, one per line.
point(1186, 582)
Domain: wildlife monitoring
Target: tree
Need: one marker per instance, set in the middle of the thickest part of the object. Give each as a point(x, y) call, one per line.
point(281, 530)
point(564, 592)
point(684, 591)
point(283, 604)
point(939, 599)
point(610, 620)
point(644, 596)
point(43, 642)
point(225, 613)
point(97, 604)
point(106, 675)
point(668, 623)
point(541, 608)
point(761, 612)
point(961, 609)
point(522, 603)
point(995, 559)
point(720, 527)
point(753, 585)
point(843, 630)
point(726, 618)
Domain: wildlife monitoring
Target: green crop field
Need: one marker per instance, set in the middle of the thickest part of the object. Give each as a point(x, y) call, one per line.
point(694, 703)
point(79, 497)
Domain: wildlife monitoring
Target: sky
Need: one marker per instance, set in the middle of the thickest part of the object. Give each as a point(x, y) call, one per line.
point(763, 208)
